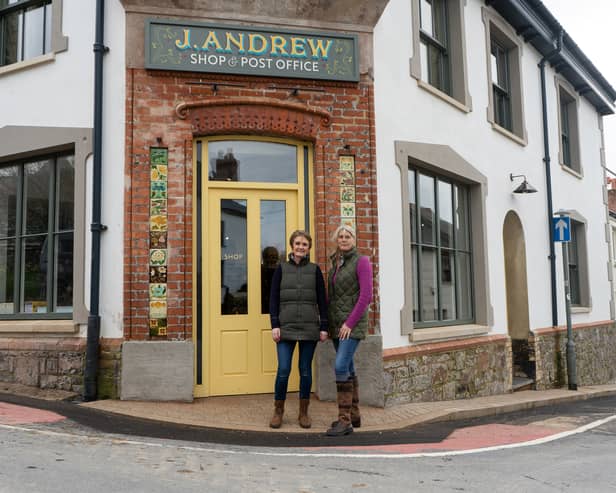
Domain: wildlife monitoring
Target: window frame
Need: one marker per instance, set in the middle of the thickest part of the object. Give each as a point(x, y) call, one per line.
point(568, 127)
point(499, 32)
point(23, 143)
point(444, 161)
point(579, 228)
point(58, 42)
point(419, 244)
point(457, 93)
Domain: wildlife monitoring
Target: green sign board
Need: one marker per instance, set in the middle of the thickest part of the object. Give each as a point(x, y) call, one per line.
point(245, 50)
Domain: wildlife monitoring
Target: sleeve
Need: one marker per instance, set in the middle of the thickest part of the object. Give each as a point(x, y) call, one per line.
point(364, 278)
point(274, 306)
point(321, 300)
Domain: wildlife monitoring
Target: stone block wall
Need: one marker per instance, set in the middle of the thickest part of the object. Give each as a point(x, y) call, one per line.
point(595, 349)
point(449, 370)
point(109, 368)
point(48, 363)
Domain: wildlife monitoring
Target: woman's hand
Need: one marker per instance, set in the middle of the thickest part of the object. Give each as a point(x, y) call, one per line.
point(276, 334)
point(323, 336)
point(345, 332)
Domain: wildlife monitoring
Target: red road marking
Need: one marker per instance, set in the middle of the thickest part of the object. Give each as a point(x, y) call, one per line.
point(11, 414)
point(473, 437)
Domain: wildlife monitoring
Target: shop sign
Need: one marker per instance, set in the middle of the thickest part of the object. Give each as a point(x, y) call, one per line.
point(198, 47)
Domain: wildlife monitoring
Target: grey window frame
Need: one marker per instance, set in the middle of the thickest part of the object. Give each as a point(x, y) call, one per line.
point(51, 234)
point(58, 42)
point(444, 161)
point(501, 89)
point(568, 128)
point(457, 93)
point(437, 41)
point(499, 32)
point(418, 242)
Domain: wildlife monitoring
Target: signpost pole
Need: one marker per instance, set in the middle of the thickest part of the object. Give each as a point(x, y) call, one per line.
point(571, 362)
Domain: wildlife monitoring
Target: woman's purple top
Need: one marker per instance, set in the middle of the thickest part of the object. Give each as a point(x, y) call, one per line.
point(364, 278)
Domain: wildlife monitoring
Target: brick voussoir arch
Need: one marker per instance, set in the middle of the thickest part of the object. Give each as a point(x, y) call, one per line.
point(250, 115)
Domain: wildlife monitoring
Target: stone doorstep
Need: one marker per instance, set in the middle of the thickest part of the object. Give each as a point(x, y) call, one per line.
point(37, 393)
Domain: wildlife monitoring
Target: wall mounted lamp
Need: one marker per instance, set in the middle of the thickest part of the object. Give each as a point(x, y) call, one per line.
point(524, 187)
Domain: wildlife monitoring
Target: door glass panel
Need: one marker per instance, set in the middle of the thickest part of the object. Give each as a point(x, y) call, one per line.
point(65, 183)
point(64, 272)
point(273, 244)
point(427, 209)
point(35, 274)
point(429, 284)
point(445, 207)
point(8, 201)
point(448, 289)
point(233, 261)
point(249, 161)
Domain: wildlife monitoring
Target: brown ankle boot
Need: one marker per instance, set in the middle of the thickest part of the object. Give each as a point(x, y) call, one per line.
point(345, 397)
point(304, 419)
point(355, 414)
point(276, 421)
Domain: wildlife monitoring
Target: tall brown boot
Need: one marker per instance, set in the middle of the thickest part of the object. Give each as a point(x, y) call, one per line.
point(304, 419)
point(345, 397)
point(276, 421)
point(355, 415)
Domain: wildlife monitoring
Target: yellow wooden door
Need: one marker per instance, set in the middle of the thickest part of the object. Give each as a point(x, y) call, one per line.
point(247, 235)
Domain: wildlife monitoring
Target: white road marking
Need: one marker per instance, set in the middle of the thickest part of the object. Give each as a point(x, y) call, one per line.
point(118, 441)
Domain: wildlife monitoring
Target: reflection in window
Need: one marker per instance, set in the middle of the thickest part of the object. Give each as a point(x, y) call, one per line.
point(252, 161)
point(233, 260)
point(25, 30)
point(434, 44)
point(440, 250)
point(273, 241)
point(36, 236)
point(501, 85)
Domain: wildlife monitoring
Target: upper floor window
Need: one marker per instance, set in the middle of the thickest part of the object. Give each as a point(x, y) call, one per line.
point(434, 44)
point(439, 57)
point(505, 102)
point(25, 30)
point(36, 236)
point(569, 155)
point(440, 250)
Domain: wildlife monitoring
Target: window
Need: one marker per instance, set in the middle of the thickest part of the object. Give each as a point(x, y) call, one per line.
point(569, 155)
point(440, 250)
point(439, 58)
point(501, 91)
point(578, 263)
point(26, 29)
point(434, 43)
point(36, 236)
point(504, 50)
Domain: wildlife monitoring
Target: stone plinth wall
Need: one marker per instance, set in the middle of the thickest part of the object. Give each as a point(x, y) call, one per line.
point(449, 370)
point(109, 368)
point(595, 350)
point(48, 363)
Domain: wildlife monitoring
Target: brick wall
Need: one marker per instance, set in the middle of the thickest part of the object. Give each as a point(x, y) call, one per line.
point(169, 109)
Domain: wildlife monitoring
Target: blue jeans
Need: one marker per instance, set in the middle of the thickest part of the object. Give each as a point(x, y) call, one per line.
point(285, 349)
point(345, 350)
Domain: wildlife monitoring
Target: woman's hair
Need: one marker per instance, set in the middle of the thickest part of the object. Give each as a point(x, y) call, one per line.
point(300, 232)
point(343, 227)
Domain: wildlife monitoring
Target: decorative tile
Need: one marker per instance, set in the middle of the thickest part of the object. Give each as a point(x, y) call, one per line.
point(158, 207)
point(158, 291)
point(158, 239)
point(158, 274)
point(158, 172)
point(158, 327)
point(158, 257)
point(347, 194)
point(158, 223)
point(158, 189)
point(347, 178)
point(159, 155)
point(347, 209)
point(347, 163)
point(349, 221)
point(158, 308)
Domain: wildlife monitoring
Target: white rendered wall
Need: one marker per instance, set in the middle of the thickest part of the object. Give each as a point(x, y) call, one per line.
point(61, 94)
point(406, 112)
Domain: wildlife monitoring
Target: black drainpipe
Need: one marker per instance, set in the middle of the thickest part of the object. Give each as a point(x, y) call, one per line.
point(94, 319)
point(548, 176)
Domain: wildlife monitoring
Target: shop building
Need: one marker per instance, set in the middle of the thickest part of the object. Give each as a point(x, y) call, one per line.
point(227, 126)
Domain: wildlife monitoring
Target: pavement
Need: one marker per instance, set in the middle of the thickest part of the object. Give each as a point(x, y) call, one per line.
point(251, 413)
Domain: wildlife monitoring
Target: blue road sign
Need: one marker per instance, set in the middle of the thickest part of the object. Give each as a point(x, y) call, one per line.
point(561, 226)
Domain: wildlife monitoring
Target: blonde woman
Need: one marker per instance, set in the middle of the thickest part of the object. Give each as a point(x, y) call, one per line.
point(350, 294)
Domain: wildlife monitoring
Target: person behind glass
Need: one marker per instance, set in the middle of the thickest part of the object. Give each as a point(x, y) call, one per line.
point(349, 296)
point(298, 314)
